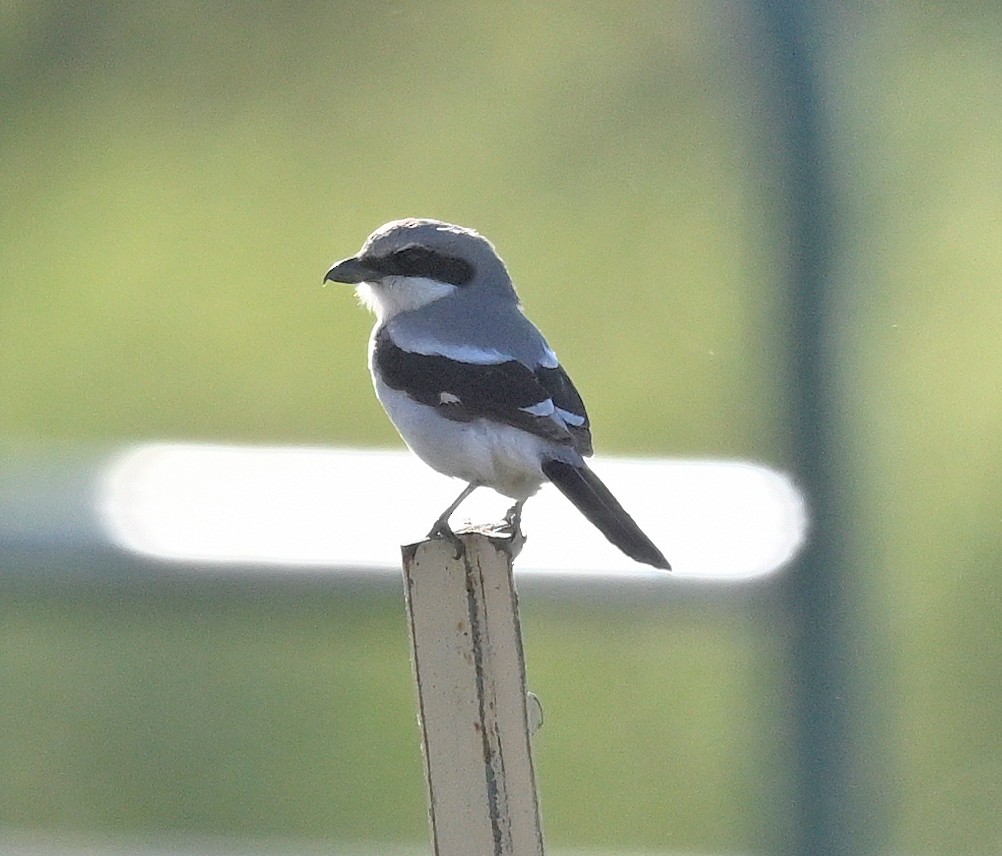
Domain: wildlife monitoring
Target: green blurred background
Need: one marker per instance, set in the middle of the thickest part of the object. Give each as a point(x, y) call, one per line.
point(176, 179)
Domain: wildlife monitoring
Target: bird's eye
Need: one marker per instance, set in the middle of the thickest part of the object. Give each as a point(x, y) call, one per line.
point(413, 261)
point(425, 262)
point(411, 254)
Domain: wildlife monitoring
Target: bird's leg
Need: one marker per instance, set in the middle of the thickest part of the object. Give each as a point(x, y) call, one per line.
point(441, 529)
point(513, 520)
point(514, 514)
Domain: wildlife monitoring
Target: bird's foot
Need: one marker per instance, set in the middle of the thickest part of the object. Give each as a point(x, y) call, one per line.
point(442, 530)
point(513, 523)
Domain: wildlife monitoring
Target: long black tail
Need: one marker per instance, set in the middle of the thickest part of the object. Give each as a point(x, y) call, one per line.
point(596, 502)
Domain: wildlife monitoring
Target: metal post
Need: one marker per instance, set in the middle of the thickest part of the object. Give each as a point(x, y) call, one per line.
point(828, 799)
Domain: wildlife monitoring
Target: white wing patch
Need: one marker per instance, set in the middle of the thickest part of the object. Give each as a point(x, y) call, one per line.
point(540, 408)
point(418, 341)
point(460, 353)
point(549, 360)
point(574, 419)
point(448, 398)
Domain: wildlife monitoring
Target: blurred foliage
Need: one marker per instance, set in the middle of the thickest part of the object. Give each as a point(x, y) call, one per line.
point(923, 181)
point(183, 179)
point(207, 715)
point(177, 178)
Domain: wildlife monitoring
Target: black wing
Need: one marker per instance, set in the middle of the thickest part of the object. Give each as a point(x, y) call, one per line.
point(570, 407)
point(543, 402)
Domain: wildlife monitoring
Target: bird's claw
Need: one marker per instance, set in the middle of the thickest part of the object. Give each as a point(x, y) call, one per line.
point(442, 530)
point(513, 523)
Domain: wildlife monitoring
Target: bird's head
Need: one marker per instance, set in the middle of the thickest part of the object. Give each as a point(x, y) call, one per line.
point(407, 264)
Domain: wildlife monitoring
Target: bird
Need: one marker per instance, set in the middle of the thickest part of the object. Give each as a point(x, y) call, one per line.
point(470, 383)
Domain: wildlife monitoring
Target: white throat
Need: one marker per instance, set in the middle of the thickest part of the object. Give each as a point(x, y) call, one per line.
point(395, 294)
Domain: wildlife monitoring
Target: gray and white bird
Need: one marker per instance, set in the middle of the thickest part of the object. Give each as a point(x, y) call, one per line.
point(469, 382)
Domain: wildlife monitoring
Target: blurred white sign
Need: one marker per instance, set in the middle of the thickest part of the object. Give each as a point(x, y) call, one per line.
point(340, 508)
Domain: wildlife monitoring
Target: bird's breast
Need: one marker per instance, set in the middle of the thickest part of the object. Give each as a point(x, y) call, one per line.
point(489, 453)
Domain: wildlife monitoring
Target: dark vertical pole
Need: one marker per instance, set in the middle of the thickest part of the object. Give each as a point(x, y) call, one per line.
point(815, 594)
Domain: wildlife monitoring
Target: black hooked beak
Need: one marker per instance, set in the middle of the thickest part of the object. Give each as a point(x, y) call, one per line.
point(352, 270)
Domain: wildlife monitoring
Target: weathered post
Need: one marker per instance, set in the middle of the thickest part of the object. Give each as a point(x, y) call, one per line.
point(474, 712)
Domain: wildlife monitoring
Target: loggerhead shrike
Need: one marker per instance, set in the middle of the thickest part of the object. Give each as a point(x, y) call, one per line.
point(471, 385)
